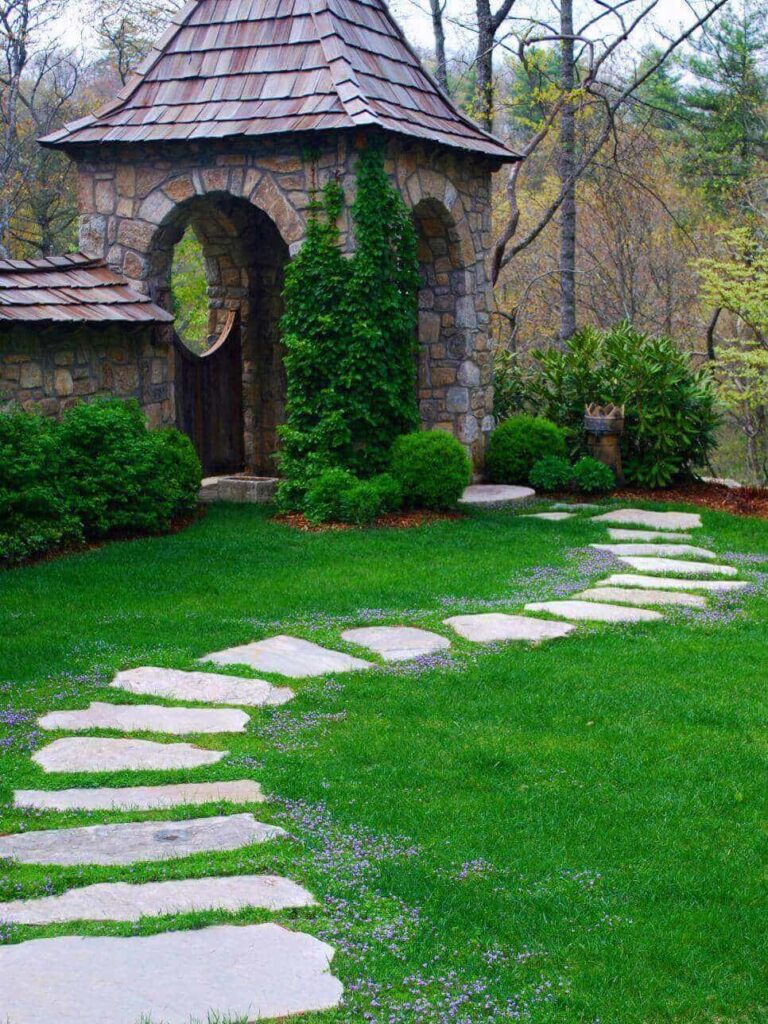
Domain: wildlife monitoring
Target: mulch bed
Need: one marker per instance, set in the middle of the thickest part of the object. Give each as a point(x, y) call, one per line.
point(395, 521)
point(742, 501)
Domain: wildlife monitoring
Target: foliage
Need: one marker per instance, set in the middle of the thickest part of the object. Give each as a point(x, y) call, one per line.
point(517, 444)
point(189, 290)
point(552, 473)
point(510, 385)
point(432, 469)
point(671, 410)
point(336, 495)
point(590, 475)
point(349, 332)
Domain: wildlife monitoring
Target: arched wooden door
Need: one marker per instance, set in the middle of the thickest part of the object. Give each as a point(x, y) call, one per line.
point(209, 400)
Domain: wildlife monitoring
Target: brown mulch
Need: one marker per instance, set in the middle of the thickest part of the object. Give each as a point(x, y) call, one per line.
point(741, 501)
point(394, 520)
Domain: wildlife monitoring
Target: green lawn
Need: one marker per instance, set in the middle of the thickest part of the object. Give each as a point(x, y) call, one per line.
point(573, 833)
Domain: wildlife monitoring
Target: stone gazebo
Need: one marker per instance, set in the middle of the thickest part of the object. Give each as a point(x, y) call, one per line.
point(241, 111)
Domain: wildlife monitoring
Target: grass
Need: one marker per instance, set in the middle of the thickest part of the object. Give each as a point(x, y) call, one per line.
point(569, 833)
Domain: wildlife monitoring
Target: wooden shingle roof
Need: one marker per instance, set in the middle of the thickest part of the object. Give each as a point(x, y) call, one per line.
point(247, 68)
point(71, 289)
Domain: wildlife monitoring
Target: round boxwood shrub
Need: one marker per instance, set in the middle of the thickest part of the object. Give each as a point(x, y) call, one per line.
point(592, 476)
point(552, 473)
point(517, 444)
point(336, 495)
point(432, 469)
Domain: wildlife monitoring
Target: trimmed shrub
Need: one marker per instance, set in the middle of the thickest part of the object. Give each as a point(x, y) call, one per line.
point(336, 495)
point(432, 469)
point(591, 476)
point(516, 445)
point(552, 473)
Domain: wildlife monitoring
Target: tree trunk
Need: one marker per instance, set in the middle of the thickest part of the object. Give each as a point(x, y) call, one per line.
point(485, 38)
point(438, 28)
point(567, 163)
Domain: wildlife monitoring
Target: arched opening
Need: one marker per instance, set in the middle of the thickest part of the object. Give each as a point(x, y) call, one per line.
point(447, 324)
point(230, 389)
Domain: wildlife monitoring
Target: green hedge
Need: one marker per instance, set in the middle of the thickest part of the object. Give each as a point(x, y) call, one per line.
point(97, 473)
point(432, 469)
point(516, 445)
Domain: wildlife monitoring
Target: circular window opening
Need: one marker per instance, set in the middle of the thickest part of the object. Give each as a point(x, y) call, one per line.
point(189, 288)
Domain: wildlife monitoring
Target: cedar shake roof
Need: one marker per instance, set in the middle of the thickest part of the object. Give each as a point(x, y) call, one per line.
point(262, 67)
point(71, 289)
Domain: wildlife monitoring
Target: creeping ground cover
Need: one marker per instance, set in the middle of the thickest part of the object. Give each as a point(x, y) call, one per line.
point(572, 832)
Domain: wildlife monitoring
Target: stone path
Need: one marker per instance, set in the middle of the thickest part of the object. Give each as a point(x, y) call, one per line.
point(141, 798)
point(641, 597)
point(552, 517)
point(648, 535)
point(495, 627)
point(592, 612)
point(675, 565)
point(397, 643)
point(496, 494)
point(653, 520)
point(89, 754)
point(670, 583)
point(658, 550)
point(146, 718)
point(201, 687)
point(288, 656)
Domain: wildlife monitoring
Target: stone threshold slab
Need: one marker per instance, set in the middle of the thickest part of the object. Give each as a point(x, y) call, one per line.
point(201, 687)
point(678, 566)
point(397, 643)
point(669, 583)
point(496, 494)
point(147, 718)
point(123, 901)
point(288, 656)
point(627, 595)
point(225, 973)
point(497, 627)
point(137, 842)
point(91, 754)
point(588, 612)
point(141, 798)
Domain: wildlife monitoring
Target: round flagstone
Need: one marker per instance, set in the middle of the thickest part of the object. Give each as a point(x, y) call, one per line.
point(246, 973)
point(587, 611)
point(551, 517)
point(653, 520)
point(642, 597)
point(288, 656)
point(661, 550)
point(134, 842)
point(496, 494)
point(668, 583)
point(648, 535)
point(397, 643)
point(677, 565)
point(493, 627)
point(90, 754)
point(141, 798)
point(122, 901)
point(201, 687)
point(147, 718)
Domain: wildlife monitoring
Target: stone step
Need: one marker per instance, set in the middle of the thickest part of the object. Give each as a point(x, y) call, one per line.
point(649, 535)
point(397, 643)
point(251, 972)
point(576, 506)
point(201, 687)
point(668, 583)
point(641, 597)
point(288, 656)
point(678, 566)
point(495, 627)
point(92, 754)
point(123, 901)
point(136, 842)
point(496, 494)
point(141, 798)
point(550, 517)
point(147, 718)
point(653, 520)
point(659, 550)
point(592, 612)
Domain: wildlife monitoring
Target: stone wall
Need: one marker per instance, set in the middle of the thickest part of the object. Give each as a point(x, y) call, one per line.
point(47, 369)
point(129, 197)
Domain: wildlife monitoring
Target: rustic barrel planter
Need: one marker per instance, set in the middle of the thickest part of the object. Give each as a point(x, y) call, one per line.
point(604, 426)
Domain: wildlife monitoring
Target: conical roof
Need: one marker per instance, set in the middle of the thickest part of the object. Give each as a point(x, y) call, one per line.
point(247, 68)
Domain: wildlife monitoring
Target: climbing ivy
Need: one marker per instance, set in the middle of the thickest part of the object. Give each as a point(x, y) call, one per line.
point(349, 331)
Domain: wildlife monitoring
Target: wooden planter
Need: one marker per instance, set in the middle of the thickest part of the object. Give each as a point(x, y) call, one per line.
point(604, 425)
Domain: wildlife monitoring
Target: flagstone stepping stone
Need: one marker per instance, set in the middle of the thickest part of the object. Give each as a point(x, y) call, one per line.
point(134, 842)
point(147, 718)
point(496, 494)
point(552, 517)
point(653, 520)
point(202, 687)
point(141, 798)
point(252, 972)
point(593, 612)
point(642, 597)
point(648, 535)
point(668, 583)
point(677, 565)
point(288, 656)
point(575, 506)
point(122, 901)
point(663, 550)
point(397, 643)
point(89, 754)
point(492, 627)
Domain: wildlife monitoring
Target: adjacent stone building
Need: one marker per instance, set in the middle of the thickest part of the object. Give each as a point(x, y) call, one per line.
point(244, 109)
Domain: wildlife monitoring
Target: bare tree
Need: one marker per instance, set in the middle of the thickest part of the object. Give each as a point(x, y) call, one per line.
point(126, 29)
point(437, 10)
point(489, 23)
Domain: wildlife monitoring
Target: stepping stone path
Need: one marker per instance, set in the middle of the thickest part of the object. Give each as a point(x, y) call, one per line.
point(493, 627)
point(675, 565)
point(668, 583)
point(288, 656)
point(136, 841)
point(552, 517)
point(120, 901)
point(236, 973)
point(649, 535)
point(642, 597)
point(592, 612)
point(662, 550)
point(88, 754)
point(397, 643)
point(565, 506)
point(201, 687)
point(653, 520)
point(496, 494)
point(146, 718)
point(141, 798)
